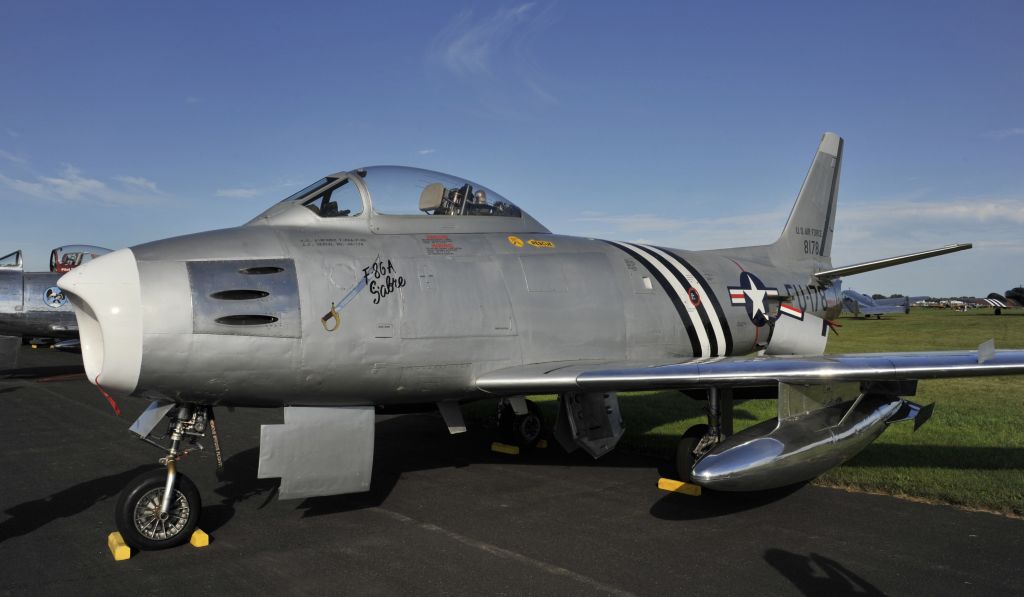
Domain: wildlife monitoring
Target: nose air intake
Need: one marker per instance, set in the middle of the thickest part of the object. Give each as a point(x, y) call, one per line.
point(107, 299)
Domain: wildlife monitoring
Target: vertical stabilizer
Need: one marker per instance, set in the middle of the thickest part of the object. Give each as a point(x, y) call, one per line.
point(808, 232)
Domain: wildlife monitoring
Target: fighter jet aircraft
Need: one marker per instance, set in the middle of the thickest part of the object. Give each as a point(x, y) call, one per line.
point(858, 304)
point(31, 304)
point(398, 286)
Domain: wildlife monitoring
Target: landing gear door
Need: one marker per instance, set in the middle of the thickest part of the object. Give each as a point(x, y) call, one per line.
point(589, 421)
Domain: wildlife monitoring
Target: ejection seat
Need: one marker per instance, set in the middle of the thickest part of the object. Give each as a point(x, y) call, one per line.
point(432, 198)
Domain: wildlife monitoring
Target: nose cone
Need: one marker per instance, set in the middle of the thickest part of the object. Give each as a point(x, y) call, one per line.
point(108, 304)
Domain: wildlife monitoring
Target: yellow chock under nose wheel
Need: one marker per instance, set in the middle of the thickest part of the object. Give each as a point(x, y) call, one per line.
point(120, 550)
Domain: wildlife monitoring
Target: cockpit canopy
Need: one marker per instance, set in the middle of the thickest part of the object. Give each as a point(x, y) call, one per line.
point(11, 260)
point(401, 191)
point(66, 258)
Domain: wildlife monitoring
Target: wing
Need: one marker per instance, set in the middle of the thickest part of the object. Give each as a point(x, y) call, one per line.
point(597, 376)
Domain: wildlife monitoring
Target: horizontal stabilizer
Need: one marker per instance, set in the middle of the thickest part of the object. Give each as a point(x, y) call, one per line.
point(867, 266)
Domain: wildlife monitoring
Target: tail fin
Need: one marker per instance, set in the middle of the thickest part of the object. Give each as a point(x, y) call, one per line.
point(808, 232)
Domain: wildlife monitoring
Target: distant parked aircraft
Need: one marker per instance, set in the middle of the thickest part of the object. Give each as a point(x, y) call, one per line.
point(31, 304)
point(861, 304)
point(998, 302)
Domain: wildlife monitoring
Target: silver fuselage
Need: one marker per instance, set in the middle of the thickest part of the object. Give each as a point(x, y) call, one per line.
point(439, 309)
point(27, 310)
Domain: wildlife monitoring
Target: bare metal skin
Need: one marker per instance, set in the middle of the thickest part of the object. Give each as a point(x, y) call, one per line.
point(327, 305)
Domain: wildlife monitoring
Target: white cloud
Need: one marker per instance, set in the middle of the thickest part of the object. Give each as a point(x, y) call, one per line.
point(24, 187)
point(865, 230)
point(138, 181)
point(17, 159)
point(1004, 133)
point(193, 99)
point(13, 134)
point(495, 53)
point(467, 46)
point(238, 193)
point(686, 233)
point(881, 226)
point(72, 185)
point(970, 209)
point(425, 151)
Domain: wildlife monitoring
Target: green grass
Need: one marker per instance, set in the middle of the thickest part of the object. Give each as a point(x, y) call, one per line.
point(971, 453)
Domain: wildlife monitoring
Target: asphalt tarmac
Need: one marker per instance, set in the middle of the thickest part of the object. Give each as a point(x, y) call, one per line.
point(447, 516)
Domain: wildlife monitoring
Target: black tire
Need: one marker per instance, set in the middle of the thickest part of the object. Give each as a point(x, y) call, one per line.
point(521, 430)
point(136, 513)
point(684, 451)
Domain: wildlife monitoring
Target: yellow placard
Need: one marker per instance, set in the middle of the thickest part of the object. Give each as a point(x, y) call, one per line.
point(541, 244)
point(515, 241)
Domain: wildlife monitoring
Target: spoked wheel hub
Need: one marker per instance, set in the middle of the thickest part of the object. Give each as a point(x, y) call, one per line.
point(157, 526)
point(141, 523)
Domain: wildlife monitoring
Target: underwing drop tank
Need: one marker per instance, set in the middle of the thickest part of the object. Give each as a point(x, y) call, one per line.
point(819, 427)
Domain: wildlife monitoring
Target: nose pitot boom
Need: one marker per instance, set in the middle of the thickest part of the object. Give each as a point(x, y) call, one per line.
point(107, 299)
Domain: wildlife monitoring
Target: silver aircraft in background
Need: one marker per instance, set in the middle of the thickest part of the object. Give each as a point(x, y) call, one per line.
point(391, 286)
point(858, 304)
point(33, 306)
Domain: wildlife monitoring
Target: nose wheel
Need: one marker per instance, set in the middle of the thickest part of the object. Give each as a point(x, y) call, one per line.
point(142, 521)
point(160, 508)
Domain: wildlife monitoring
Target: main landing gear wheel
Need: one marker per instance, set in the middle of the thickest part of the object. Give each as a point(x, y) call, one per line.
point(522, 430)
point(138, 516)
point(684, 451)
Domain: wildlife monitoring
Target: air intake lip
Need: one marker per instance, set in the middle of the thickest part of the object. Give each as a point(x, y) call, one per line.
point(261, 270)
point(246, 319)
point(107, 296)
point(239, 295)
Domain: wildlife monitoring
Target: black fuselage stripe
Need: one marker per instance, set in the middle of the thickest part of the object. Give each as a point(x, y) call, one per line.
point(672, 295)
point(711, 296)
point(701, 311)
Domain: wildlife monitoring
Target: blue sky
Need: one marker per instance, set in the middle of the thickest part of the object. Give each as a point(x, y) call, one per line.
point(688, 124)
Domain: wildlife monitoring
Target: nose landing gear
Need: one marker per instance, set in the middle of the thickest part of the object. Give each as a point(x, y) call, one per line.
point(160, 508)
point(143, 521)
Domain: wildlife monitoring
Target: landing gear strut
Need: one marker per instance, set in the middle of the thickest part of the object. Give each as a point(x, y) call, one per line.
point(523, 430)
point(699, 439)
point(160, 508)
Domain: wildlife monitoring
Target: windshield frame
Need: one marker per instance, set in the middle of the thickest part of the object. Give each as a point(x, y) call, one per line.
point(319, 185)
